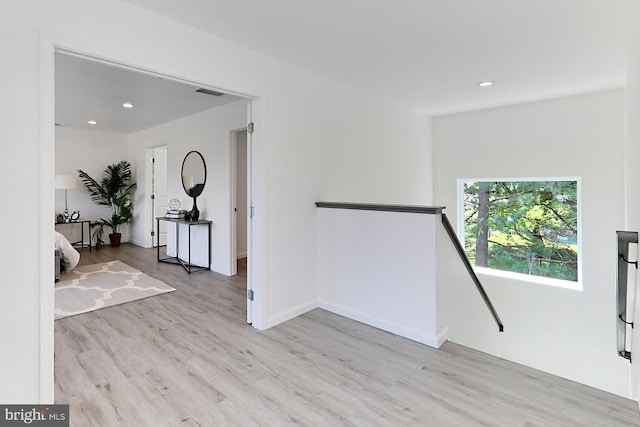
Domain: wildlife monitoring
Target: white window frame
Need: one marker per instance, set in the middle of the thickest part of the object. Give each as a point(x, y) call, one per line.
point(487, 271)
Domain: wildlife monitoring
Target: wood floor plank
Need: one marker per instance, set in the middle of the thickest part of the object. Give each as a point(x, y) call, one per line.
point(188, 358)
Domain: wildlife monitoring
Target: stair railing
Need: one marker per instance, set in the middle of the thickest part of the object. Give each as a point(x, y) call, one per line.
point(624, 239)
point(465, 260)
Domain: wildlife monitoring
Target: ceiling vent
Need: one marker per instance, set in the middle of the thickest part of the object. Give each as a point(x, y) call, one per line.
point(209, 92)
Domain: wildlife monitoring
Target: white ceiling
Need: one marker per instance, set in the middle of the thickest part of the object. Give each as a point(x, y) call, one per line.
point(88, 90)
point(429, 54)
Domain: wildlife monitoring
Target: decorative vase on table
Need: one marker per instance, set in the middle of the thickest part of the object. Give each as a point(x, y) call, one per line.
point(195, 213)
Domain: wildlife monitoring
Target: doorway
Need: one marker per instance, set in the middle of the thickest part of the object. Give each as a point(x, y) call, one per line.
point(241, 209)
point(47, 148)
point(159, 193)
point(153, 200)
point(239, 202)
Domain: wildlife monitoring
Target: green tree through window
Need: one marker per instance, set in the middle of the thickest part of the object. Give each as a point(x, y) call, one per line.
point(528, 227)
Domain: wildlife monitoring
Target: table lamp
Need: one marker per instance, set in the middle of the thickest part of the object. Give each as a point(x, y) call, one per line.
point(66, 182)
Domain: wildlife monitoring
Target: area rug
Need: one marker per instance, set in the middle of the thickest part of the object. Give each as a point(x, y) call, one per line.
point(96, 286)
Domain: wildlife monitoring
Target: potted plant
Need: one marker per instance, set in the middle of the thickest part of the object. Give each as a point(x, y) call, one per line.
point(115, 190)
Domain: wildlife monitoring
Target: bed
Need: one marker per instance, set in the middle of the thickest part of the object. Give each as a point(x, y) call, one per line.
point(68, 255)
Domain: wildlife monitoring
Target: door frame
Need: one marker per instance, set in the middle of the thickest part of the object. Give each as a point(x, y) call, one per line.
point(49, 46)
point(150, 189)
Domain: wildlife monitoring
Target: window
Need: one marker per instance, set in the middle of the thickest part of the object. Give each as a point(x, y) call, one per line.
point(530, 227)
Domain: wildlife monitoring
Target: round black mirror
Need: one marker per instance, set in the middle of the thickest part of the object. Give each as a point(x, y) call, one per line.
point(194, 176)
point(194, 173)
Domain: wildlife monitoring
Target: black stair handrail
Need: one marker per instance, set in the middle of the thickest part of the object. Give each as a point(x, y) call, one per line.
point(456, 243)
point(624, 239)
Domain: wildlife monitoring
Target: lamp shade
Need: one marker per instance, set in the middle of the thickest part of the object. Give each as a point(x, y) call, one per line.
point(66, 182)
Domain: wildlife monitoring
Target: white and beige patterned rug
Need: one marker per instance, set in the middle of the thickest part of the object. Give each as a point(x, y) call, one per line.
point(96, 286)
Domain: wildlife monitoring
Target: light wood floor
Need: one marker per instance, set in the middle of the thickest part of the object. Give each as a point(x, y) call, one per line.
point(188, 358)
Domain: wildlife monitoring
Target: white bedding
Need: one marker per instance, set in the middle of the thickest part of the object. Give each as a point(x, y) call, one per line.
point(69, 254)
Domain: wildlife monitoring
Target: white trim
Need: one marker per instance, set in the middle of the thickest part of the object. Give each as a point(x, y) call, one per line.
point(522, 178)
point(567, 284)
point(290, 314)
point(417, 335)
point(253, 265)
point(520, 277)
point(257, 196)
point(443, 336)
point(136, 242)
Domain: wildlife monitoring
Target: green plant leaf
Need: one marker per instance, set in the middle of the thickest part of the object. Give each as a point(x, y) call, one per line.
point(115, 190)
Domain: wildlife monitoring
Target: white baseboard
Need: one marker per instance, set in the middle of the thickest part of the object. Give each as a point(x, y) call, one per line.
point(138, 243)
point(416, 335)
point(290, 314)
point(242, 255)
point(443, 336)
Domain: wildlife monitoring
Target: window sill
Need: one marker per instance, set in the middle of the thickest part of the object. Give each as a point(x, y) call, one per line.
point(558, 283)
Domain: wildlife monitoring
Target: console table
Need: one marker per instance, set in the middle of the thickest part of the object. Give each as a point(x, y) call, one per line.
point(80, 244)
point(190, 268)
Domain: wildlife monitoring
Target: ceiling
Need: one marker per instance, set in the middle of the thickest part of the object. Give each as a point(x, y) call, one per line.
point(88, 90)
point(429, 54)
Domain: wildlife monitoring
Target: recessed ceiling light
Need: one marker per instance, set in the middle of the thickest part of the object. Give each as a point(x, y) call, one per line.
point(486, 83)
point(92, 122)
point(127, 105)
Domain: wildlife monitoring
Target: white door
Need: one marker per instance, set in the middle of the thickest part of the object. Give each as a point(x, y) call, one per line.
point(159, 192)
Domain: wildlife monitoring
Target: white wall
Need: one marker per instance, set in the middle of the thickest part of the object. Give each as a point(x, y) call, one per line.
point(632, 180)
point(373, 153)
point(208, 132)
point(21, 330)
point(566, 332)
point(91, 152)
point(340, 146)
point(314, 139)
point(380, 268)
